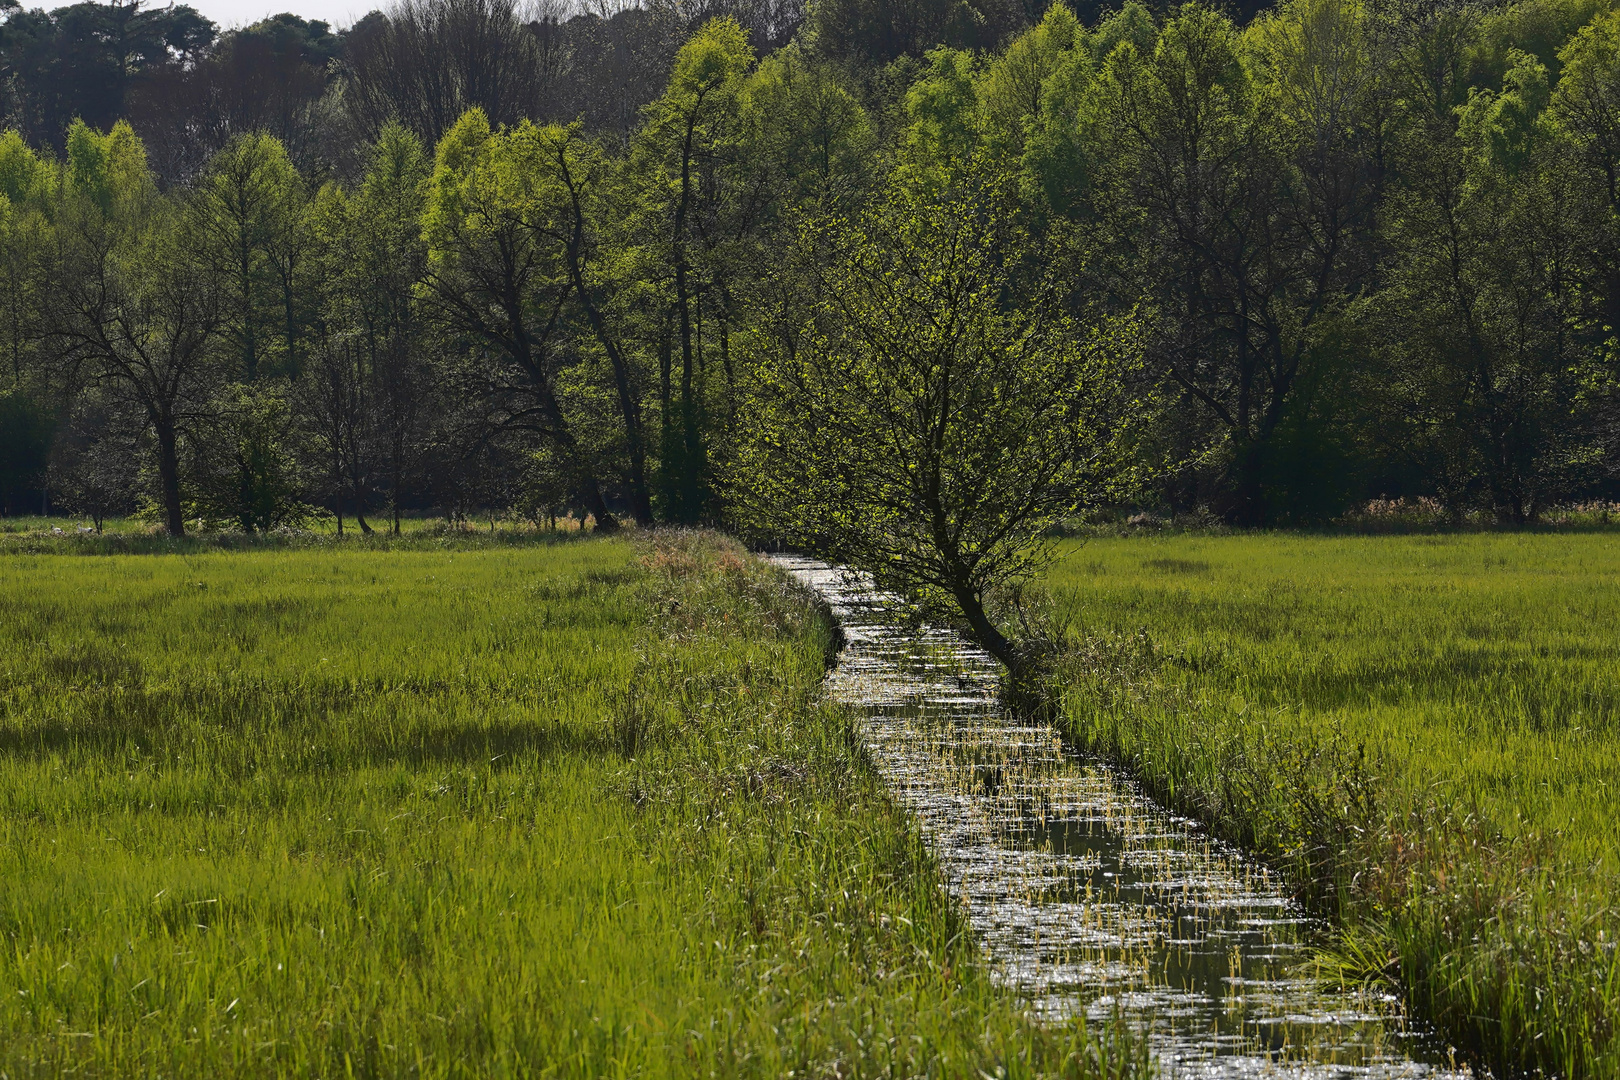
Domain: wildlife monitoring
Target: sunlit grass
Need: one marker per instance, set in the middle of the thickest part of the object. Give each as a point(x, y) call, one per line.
point(525, 808)
point(1425, 729)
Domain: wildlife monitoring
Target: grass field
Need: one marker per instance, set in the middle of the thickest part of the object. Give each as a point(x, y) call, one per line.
point(517, 808)
point(1424, 729)
point(54, 535)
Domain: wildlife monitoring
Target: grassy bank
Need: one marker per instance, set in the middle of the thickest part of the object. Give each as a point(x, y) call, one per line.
point(532, 809)
point(1425, 730)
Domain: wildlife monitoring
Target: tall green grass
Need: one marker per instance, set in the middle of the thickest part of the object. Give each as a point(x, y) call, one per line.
point(1425, 730)
point(508, 810)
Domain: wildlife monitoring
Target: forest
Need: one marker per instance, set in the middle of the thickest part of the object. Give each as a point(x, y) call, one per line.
point(468, 257)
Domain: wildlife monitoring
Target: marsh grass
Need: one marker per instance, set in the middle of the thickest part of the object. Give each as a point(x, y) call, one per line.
point(1424, 731)
point(504, 809)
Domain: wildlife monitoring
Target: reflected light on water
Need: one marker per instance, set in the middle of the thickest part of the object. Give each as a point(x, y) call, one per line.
point(1087, 896)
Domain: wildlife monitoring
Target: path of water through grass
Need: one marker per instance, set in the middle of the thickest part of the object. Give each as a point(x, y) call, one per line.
point(1086, 894)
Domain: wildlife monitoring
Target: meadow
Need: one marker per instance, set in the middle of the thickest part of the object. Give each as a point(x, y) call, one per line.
point(518, 806)
point(1423, 730)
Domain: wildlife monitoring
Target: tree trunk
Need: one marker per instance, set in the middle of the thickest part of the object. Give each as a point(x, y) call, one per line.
point(360, 506)
point(629, 407)
point(688, 483)
point(983, 630)
point(396, 469)
point(169, 475)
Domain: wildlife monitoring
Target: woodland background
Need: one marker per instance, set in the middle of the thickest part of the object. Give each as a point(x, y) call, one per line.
point(465, 256)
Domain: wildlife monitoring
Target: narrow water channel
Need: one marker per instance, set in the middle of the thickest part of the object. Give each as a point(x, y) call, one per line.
point(1088, 896)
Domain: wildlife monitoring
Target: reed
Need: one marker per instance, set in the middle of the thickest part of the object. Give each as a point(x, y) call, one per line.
point(1423, 730)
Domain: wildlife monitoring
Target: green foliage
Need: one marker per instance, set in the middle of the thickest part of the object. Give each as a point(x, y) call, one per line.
point(244, 471)
point(248, 213)
point(497, 226)
point(1486, 312)
point(809, 128)
point(1014, 82)
point(911, 424)
point(1500, 128)
point(106, 170)
point(1132, 23)
point(681, 154)
point(1538, 27)
point(1271, 193)
point(875, 32)
point(942, 112)
point(26, 179)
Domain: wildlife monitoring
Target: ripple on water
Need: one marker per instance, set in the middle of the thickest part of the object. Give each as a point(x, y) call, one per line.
point(1088, 896)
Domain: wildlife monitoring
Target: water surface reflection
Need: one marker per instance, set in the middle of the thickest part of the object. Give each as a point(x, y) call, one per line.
point(1087, 895)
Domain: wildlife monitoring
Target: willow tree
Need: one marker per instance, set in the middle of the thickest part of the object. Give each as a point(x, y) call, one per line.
point(927, 415)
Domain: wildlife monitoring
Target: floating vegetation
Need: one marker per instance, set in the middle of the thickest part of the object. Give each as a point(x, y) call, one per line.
point(1089, 897)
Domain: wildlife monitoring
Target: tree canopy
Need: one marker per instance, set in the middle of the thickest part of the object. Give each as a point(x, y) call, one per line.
point(909, 287)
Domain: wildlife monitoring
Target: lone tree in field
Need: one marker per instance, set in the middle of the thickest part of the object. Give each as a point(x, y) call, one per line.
point(917, 421)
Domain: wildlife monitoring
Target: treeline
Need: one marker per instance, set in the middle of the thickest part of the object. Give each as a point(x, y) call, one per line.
point(1363, 250)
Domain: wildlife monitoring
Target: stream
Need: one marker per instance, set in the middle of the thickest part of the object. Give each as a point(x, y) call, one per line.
point(1087, 896)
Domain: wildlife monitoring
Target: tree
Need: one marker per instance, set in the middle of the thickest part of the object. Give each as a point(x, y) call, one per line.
point(808, 132)
point(134, 299)
point(575, 170)
point(1229, 180)
point(27, 408)
point(1480, 301)
point(242, 468)
point(26, 189)
point(377, 291)
point(1585, 114)
point(610, 65)
point(83, 60)
point(247, 210)
point(688, 128)
point(876, 32)
point(500, 281)
point(335, 390)
point(911, 423)
point(268, 77)
point(1015, 83)
point(26, 429)
point(430, 61)
point(95, 466)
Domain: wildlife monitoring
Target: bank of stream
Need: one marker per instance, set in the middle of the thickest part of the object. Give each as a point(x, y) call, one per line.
point(1087, 896)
